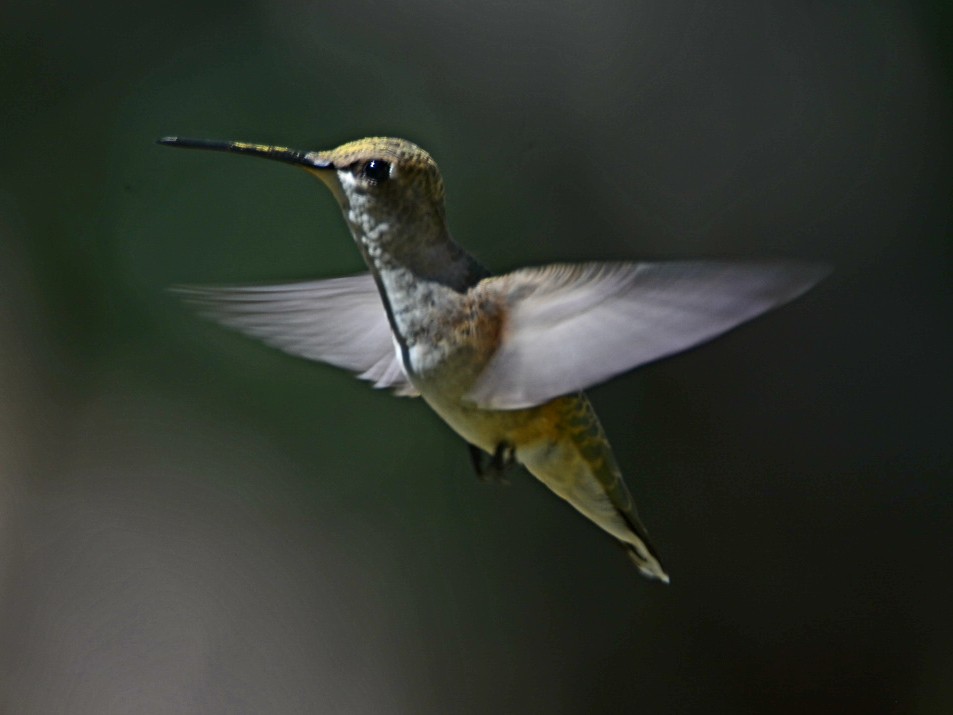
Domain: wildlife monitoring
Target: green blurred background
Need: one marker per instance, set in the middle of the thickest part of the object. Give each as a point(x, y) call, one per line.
point(192, 523)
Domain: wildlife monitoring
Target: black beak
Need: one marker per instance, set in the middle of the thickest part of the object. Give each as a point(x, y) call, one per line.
point(305, 159)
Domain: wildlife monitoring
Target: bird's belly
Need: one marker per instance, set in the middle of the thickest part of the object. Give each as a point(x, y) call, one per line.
point(487, 429)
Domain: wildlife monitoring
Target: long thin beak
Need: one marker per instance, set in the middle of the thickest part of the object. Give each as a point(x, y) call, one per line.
point(311, 160)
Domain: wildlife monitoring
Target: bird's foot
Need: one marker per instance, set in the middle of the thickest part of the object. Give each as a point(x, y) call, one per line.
point(494, 468)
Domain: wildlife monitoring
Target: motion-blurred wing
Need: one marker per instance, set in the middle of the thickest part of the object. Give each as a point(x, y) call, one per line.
point(568, 327)
point(340, 321)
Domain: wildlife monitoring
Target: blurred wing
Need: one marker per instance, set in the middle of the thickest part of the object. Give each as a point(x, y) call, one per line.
point(340, 321)
point(568, 327)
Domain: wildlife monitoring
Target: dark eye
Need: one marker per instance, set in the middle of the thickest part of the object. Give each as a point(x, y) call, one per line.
point(376, 171)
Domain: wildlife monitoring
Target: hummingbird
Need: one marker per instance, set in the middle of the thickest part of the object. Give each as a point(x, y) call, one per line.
point(502, 359)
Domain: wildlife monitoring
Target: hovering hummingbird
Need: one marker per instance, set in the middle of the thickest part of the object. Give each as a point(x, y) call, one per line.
point(501, 359)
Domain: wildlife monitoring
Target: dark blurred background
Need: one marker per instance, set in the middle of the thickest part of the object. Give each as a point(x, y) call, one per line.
point(192, 523)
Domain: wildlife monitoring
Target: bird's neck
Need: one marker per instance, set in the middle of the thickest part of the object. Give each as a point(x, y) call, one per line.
point(422, 275)
point(417, 246)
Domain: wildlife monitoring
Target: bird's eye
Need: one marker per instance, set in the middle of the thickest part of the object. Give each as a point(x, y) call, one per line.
point(376, 171)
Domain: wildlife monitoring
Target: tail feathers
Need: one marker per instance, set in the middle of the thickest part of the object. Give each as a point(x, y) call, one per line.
point(645, 560)
point(637, 546)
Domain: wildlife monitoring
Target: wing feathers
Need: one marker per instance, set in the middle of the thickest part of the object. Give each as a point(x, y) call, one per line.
point(566, 327)
point(340, 321)
point(569, 327)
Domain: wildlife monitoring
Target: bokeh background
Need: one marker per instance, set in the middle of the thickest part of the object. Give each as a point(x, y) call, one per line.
point(192, 523)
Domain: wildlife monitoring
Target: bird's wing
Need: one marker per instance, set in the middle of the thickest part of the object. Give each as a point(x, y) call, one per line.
point(340, 321)
point(567, 327)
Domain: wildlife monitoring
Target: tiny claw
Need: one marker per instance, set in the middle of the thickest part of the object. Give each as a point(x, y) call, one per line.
point(493, 469)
